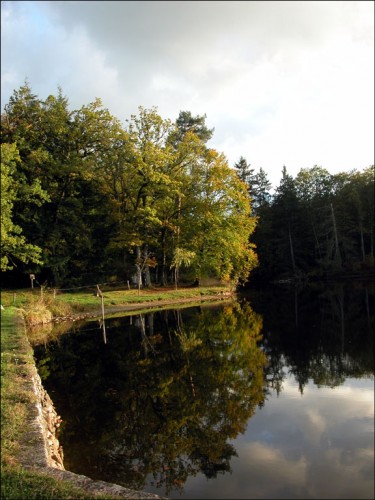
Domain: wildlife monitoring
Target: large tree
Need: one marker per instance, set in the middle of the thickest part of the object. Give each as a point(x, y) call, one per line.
point(61, 150)
point(217, 221)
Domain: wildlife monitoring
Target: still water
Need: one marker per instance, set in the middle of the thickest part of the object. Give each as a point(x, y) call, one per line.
point(271, 396)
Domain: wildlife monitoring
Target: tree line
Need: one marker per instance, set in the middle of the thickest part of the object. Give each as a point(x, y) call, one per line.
point(314, 225)
point(86, 198)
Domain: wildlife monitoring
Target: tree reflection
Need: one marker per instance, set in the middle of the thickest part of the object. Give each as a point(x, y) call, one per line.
point(332, 339)
point(162, 397)
point(170, 389)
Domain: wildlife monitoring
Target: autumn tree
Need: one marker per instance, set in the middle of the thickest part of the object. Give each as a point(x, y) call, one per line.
point(217, 221)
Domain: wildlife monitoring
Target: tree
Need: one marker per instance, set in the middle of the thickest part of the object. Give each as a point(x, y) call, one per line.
point(258, 184)
point(117, 197)
point(181, 257)
point(13, 242)
point(187, 123)
point(217, 222)
point(63, 151)
point(244, 172)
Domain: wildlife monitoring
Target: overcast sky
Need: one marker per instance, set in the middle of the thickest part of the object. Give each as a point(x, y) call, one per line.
point(282, 83)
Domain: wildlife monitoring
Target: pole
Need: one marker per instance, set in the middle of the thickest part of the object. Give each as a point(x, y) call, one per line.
point(104, 332)
point(100, 294)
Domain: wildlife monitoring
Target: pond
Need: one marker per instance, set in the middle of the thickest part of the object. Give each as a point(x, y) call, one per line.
point(271, 396)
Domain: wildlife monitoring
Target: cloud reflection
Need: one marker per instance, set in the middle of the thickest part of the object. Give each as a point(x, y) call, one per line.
point(320, 445)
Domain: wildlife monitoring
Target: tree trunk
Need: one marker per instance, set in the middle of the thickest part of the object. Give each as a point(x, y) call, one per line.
point(146, 267)
point(337, 254)
point(138, 267)
point(362, 245)
point(164, 257)
point(292, 251)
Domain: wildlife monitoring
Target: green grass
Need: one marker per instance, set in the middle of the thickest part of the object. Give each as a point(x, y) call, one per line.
point(86, 301)
point(16, 355)
point(18, 484)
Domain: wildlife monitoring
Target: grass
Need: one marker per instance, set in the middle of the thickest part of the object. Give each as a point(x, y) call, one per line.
point(16, 356)
point(39, 308)
point(84, 301)
point(19, 484)
point(16, 399)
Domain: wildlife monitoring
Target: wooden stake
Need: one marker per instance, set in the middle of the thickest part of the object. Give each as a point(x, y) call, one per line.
point(100, 294)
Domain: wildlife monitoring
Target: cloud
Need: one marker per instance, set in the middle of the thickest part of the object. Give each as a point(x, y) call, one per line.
point(281, 82)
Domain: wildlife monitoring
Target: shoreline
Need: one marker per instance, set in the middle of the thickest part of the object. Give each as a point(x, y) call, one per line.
point(113, 310)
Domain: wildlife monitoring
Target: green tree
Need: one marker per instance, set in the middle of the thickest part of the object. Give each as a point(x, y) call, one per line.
point(260, 191)
point(245, 173)
point(122, 200)
point(186, 122)
point(62, 150)
point(217, 222)
point(355, 218)
point(13, 243)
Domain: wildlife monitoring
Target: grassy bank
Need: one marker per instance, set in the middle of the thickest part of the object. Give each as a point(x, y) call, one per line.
point(17, 398)
point(40, 306)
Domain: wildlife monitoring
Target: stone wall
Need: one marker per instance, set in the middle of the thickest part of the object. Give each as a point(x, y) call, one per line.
point(49, 423)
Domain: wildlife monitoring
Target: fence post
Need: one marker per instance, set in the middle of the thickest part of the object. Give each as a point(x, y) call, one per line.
point(100, 294)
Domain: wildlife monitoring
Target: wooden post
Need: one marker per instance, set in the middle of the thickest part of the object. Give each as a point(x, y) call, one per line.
point(54, 293)
point(128, 285)
point(103, 312)
point(100, 294)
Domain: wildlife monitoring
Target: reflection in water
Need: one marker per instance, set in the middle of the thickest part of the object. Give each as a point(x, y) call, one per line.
point(332, 340)
point(163, 396)
point(178, 397)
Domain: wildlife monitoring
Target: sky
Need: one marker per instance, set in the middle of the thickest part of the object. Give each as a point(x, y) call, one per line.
point(282, 83)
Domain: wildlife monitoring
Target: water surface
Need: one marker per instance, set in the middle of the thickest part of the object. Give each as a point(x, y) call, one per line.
point(269, 397)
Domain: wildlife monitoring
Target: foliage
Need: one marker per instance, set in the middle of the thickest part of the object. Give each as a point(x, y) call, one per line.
point(85, 197)
point(119, 199)
point(13, 242)
point(316, 224)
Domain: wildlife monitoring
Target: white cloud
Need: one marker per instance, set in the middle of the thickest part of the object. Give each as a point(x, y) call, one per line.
point(281, 82)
